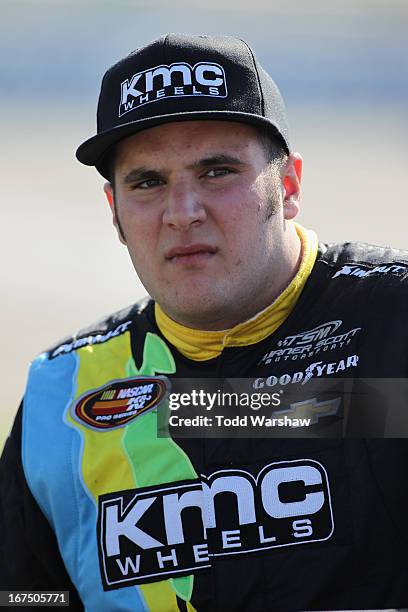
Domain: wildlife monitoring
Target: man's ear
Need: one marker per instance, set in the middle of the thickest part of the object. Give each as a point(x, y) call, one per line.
point(292, 176)
point(110, 196)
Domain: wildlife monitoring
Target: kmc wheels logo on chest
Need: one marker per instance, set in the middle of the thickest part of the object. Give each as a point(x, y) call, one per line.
point(149, 534)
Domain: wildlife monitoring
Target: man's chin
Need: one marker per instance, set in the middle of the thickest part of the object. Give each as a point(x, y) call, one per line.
point(197, 312)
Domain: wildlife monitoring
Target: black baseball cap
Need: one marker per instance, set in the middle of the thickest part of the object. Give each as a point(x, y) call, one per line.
point(179, 77)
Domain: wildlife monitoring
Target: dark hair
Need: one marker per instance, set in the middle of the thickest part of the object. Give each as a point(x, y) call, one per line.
point(273, 145)
point(106, 166)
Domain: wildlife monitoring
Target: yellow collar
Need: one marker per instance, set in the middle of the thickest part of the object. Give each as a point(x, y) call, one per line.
point(201, 345)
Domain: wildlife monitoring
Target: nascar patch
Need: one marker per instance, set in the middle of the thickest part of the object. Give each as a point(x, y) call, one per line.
point(120, 401)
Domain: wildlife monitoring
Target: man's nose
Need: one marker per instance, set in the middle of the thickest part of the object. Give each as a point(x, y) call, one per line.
point(183, 207)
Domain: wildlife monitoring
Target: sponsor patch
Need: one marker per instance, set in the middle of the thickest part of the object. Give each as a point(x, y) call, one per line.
point(361, 272)
point(176, 80)
point(311, 409)
point(324, 337)
point(120, 401)
point(175, 529)
point(314, 370)
point(63, 349)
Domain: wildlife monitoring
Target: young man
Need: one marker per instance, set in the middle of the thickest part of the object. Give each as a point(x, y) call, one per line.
point(204, 188)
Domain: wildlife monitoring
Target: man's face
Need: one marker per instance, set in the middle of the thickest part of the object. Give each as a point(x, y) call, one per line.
point(203, 219)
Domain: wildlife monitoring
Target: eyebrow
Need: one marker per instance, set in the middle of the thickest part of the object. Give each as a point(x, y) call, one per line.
point(215, 160)
point(143, 173)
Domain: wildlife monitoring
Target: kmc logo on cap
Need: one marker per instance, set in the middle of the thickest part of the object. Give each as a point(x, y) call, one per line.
point(175, 80)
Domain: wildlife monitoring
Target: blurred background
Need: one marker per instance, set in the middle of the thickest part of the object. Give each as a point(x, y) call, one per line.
point(341, 67)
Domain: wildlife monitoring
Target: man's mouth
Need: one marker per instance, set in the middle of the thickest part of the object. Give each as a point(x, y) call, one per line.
point(192, 253)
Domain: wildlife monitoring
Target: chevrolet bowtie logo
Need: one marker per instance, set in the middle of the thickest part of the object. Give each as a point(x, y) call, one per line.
point(310, 409)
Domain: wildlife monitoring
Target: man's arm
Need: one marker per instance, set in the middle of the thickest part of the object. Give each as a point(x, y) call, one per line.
point(29, 554)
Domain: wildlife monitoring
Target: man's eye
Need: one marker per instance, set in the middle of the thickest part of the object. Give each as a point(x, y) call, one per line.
point(148, 184)
point(218, 172)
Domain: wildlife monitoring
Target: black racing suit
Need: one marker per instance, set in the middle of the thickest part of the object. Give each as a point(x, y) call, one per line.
point(292, 523)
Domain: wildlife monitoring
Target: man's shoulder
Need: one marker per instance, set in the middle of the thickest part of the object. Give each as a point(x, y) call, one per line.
point(364, 260)
point(104, 329)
